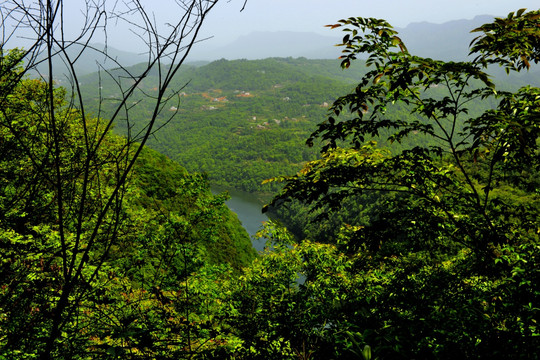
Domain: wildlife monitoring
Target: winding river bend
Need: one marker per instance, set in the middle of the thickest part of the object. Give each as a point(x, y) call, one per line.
point(248, 208)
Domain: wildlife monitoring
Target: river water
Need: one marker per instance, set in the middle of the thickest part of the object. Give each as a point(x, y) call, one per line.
point(248, 208)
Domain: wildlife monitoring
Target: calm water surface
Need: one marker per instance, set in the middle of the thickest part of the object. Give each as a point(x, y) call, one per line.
point(248, 208)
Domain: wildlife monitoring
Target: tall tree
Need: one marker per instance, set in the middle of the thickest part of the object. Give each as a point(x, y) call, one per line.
point(440, 254)
point(63, 178)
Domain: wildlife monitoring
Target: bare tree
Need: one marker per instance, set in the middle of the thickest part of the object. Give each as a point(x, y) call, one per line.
point(87, 224)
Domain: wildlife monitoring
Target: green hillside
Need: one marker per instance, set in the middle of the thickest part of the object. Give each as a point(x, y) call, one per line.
point(245, 121)
point(410, 229)
point(167, 188)
point(239, 121)
point(126, 239)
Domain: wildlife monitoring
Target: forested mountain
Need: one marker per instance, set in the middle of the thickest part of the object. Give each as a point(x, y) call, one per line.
point(408, 190)
point(135, 233)
point(244, 121)
point(240, 121)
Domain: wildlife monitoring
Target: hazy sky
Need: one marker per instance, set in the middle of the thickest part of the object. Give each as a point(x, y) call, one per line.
point(227, 23)
point(312, 15)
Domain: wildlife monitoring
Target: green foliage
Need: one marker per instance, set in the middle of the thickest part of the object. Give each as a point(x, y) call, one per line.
point(98, 260)
point(239, 121)
point(425, 195)
point(430, 226)
point(511, 42)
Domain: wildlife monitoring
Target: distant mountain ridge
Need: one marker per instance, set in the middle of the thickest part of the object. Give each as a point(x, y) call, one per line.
point(93, 60)
point(261, 45)
point(446, 41)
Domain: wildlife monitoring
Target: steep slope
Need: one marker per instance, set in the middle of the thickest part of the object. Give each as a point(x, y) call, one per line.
point(239, 121)
point(92, 243)
point(167, 188)
point(245, 121)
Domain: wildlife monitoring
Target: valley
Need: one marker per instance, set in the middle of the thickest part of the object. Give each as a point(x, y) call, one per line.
point(244, 121)
point(381, 205)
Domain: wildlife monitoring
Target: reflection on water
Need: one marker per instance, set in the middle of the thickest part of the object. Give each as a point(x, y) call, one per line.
point(248, 208)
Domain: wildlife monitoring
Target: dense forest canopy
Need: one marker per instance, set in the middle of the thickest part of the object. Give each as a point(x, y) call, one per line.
point(411, 224)
point(244, 121)
point(167, 226)
point(440, 237)
point(239, 121)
